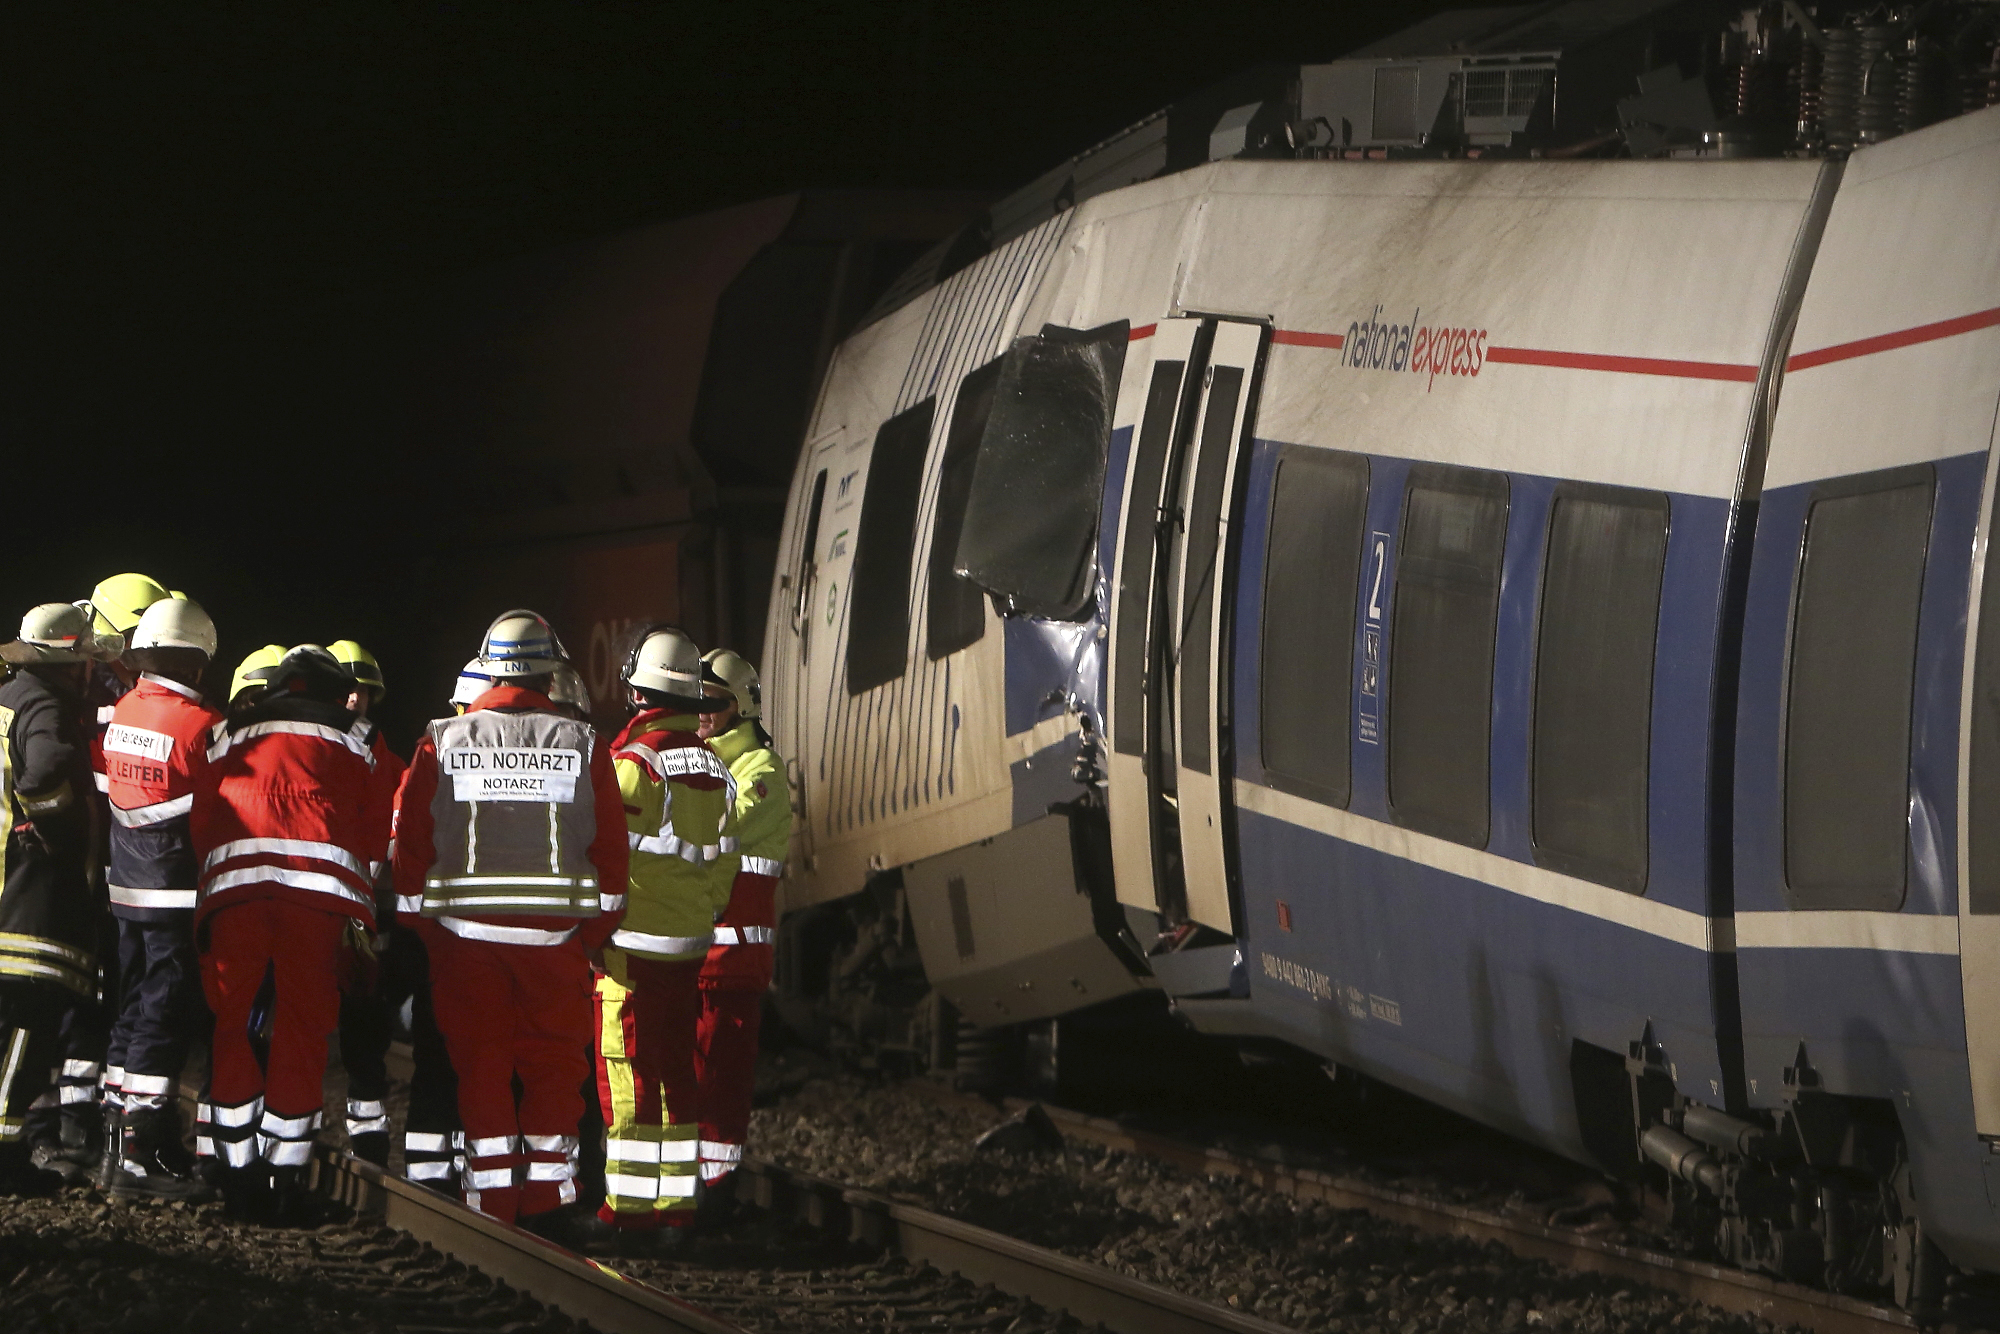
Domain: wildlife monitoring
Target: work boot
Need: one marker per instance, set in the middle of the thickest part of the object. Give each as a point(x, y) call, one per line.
point(19, 1176)
point(246, 1193)
point(76, 1154)
point(292, 1204)
point(112, 1151)
point(370, 1147)
point(154, 1163)
point(718, 1204)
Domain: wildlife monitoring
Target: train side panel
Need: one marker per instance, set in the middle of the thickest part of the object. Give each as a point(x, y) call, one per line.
point(1870, 964)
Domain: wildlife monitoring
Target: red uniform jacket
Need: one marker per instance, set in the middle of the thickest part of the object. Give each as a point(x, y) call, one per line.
point(608, 852)
point(153, 751)
point(293, 805)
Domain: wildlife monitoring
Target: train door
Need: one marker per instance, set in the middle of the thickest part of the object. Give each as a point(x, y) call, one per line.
point(1171, 818)
point(792, 666)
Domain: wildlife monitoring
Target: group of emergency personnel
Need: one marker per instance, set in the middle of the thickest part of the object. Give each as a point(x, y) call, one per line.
point(259, 873)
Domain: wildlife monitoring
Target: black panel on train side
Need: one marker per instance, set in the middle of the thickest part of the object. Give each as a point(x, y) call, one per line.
point(1204, 564)
point(1595, 647)
point(1136, 560)
point(957, 611)
point(1312, 572)
point(878, 615)
point(1848, 696)
point(1030, 526)
point(1440, 701)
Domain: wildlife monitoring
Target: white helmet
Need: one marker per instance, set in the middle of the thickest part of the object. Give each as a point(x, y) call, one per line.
point(471, 684)
point(57, 632)
point(171, 623)
point(730, 670)
point(520, 643)
point(666, 660)
point(569, 689)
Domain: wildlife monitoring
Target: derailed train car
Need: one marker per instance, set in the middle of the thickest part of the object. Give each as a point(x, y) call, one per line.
point(1519, 630)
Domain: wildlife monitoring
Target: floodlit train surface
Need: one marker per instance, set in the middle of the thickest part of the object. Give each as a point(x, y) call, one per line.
point(1515, 629)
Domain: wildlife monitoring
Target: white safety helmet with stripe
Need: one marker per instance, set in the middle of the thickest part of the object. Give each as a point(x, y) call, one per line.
point(471, 684)
point(171, 623)
point(731, 671)
point(520, 643)
point(59, 632)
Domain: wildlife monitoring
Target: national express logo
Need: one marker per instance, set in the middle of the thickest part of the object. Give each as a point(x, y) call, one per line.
point(1427, 350)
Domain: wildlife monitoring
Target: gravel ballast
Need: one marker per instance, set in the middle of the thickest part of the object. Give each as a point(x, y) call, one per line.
point(1301, 1263)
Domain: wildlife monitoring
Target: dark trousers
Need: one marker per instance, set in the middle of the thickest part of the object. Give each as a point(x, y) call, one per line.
point(31, 1041)
point(367, 1023)
point(160, 1007)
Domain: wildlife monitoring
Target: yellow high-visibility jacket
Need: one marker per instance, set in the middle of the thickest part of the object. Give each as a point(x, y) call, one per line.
point(679, 800)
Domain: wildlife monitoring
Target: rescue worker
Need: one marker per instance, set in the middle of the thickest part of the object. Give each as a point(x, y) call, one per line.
point(78, 1144)
point(289, 814)
point(511, 854)
point(48, 907)
point(738, 970)
point(246, 685)
point(368, 998)
point(677, 810)
point(154, 751)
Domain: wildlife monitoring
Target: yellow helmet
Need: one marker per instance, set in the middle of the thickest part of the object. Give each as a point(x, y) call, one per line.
point(734, 674)
point(256, 669)
point(117, 603)
point(361, 664)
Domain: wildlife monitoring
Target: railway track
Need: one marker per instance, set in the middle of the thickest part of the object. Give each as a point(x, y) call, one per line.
point(946, 1267)
point(1714, 1285)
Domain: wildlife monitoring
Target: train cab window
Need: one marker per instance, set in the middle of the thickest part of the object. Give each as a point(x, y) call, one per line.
point(1607, 549)
point(957, 606)
point(1319, 518)
point(1030, 527)
point(878, 616)
point(1440, 693)
point(1847, 715)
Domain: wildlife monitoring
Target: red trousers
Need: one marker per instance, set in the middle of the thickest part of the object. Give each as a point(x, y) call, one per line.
point(652, 1102)
point(734, 978)
point(269, 1113)
point(508, 1010)
point(726, 1067)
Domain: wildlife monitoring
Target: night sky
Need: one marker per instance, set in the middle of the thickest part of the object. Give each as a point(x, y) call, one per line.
point(226, 224)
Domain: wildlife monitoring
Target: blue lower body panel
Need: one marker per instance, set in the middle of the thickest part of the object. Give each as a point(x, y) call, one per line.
point(1457, 990)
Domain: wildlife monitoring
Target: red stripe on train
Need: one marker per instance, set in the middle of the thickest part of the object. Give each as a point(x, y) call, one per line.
point(1594, 361)
point(1300, 338)
point(1923, 333)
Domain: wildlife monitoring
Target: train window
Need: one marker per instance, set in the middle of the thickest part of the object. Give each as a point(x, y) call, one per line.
point(1983, 828)
point(1038, 480)
point(878, 603)
point(1847, 713)
point(957, 606)
point(1600, 613)
point(1440, 696)
point(809, 555)
point(1319, 518)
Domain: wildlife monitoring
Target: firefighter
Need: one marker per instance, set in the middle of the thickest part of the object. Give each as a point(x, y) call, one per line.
point(289, 814)
point(369, 996)
point(48, 907)
point(511, 853)
point(246, 684)
point(737, 972)
point(677, 807)
point(76, 1144)
point(154, 751)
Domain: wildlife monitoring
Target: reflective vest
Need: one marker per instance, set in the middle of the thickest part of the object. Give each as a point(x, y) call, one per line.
point(762, 800)
point(513, 817)
point(678, 820)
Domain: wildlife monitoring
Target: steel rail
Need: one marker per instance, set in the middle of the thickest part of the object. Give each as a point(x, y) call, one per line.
point(575, 1285)
point(1715, 1285)
point(1090, 1293)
